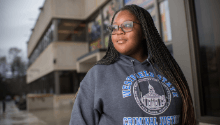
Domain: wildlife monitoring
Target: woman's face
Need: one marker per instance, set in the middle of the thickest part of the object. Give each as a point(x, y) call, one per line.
point(127, 43)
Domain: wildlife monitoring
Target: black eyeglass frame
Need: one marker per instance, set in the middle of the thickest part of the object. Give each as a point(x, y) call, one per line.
point(109, 28)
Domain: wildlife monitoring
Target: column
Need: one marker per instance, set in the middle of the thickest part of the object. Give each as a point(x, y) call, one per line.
point(57, 82)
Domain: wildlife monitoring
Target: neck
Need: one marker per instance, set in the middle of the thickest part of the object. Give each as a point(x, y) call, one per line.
point(140, 56)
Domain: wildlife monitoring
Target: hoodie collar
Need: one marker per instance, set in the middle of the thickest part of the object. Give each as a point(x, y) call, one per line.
point(127, 60)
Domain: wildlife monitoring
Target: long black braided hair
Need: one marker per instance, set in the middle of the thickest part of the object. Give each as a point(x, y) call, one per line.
point(160, 55)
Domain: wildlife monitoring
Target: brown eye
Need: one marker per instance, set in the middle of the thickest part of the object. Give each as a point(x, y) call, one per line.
point(127, 26)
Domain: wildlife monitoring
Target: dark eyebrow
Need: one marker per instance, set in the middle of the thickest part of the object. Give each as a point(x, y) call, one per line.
point(124, 21)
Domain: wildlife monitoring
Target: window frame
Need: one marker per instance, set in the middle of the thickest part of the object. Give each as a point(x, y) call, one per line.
point(194, 53)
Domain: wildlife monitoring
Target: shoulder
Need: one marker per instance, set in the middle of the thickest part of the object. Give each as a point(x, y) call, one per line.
point(95, 72)
point(94, 76)
point(99, 69)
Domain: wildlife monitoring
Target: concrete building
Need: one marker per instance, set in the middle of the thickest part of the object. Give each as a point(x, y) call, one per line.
point(69, 37)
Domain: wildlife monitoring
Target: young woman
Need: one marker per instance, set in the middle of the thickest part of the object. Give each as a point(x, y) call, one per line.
point(137, 82)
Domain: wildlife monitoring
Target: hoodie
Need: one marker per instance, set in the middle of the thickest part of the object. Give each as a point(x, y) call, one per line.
point(128, 92)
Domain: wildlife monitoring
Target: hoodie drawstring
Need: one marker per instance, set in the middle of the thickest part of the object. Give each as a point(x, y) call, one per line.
point(140, 93)
point(156, 76)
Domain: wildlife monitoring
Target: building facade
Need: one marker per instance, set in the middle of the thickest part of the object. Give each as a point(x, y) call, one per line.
point(70, 37)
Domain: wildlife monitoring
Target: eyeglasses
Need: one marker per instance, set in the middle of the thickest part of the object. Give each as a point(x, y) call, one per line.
point(126, 26)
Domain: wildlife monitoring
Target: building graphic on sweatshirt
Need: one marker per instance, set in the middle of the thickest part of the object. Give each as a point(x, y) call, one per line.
point(157, 96)
point(155, 100)
point(152, 100)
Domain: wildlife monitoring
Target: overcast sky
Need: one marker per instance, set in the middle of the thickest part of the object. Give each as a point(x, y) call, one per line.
point(17, 18)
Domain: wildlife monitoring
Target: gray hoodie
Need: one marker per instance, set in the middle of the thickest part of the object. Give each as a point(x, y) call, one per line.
point(127, 92)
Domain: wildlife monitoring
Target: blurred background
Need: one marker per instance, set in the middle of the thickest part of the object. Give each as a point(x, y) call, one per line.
point(48, 46)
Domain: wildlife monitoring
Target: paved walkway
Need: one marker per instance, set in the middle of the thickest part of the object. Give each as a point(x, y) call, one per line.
point(14, 116)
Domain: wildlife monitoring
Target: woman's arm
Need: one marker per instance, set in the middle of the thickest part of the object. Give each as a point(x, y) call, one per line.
point(83, 112)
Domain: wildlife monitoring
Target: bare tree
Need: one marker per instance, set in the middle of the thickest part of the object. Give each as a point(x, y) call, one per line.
point(18, 66)
point(14, 52)
point(15, 85)
point(3, 66)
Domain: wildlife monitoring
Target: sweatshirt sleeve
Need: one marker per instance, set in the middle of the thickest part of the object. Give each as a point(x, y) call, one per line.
point(83, 112)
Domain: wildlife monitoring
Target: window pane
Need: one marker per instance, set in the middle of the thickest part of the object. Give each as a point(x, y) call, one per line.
point(45, 40)
point(70, 30)
point(141, 3)
point(95, 44)
point(165, 21)
point(94, 29)
point(152, 13)
point(108, 13)
point(208, 18)
point(106, 41)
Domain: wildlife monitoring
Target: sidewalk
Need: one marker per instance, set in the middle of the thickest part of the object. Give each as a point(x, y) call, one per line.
point(14, 116)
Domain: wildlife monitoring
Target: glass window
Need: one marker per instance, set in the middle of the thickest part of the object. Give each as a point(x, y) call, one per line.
point(95, 44)
point(70, 30)
point(106, 41)
point(51, 91)
point(208, 18)
point(94, 31)
point(141, 3)
point(42, 44)
point(151, 10)
point(108, 13)
point(44, 91)
point(165, 21)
